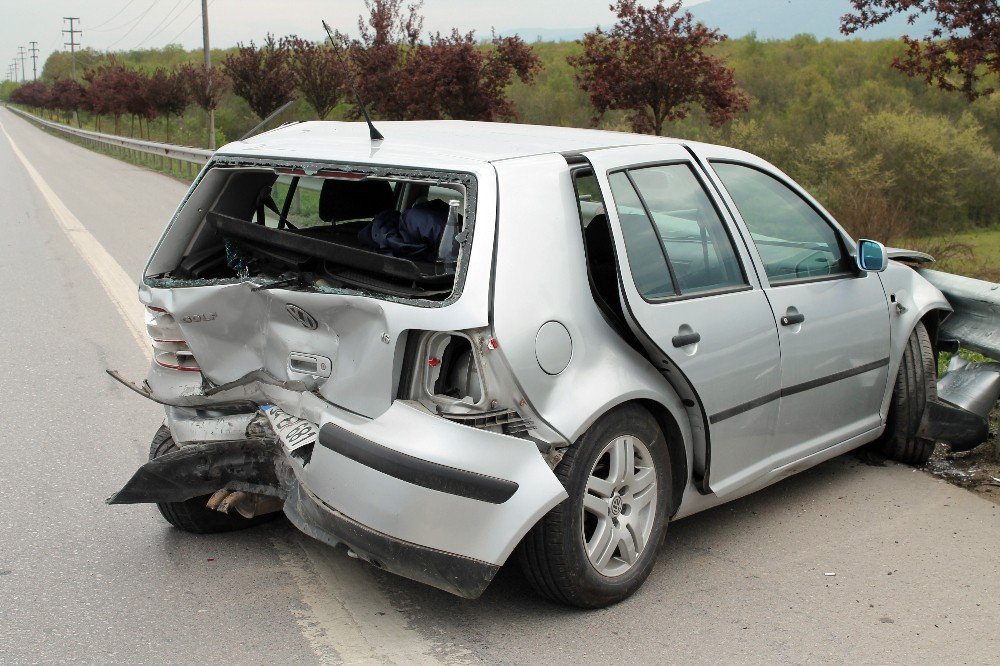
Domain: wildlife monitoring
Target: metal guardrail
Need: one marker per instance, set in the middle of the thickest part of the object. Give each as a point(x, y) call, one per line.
point(976, 320)
point(165, 151)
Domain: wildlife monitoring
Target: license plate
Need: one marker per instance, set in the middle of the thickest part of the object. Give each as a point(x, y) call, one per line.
point(293, 432)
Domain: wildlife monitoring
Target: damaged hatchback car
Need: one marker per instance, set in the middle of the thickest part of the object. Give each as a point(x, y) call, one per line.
point(468, 341)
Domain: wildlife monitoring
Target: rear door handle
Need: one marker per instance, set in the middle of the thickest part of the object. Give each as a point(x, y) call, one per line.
point(792, 319)
point(686, 339)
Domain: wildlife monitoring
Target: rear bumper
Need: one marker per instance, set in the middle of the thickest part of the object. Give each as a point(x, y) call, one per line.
point(459, 575)
point(415, 494)
point(422, 480)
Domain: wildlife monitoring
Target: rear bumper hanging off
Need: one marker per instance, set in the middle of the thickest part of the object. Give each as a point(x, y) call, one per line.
point(412, 493)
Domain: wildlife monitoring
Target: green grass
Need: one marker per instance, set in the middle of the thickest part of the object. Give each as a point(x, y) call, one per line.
point(972, 253)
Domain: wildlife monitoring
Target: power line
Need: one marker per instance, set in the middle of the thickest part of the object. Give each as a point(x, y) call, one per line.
point(185, 28)
point(129, 31)
point(158, 29)
point(128, 22)
point(120, 12)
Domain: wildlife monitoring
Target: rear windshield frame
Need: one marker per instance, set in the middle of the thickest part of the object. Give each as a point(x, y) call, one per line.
point(467, 180)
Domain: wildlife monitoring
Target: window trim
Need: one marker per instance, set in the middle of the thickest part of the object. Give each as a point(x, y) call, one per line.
point(798, 191)
point(678, 295)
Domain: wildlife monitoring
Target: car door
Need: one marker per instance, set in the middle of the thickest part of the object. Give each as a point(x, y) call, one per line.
point(690, 293)
point(833, 319)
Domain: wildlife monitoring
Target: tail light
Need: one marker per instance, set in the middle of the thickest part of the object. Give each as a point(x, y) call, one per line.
point(455, 378)
point(170, 350)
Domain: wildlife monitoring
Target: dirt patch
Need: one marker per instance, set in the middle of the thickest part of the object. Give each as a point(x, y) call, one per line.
point(977, 470)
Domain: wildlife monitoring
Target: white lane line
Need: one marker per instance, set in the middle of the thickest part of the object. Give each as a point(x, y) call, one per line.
point(116, 282)
point(347, 620)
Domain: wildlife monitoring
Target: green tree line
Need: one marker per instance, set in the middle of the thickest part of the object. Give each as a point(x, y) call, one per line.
point(890, 156)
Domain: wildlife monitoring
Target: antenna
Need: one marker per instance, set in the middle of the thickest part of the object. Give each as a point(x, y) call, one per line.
point(372, 132)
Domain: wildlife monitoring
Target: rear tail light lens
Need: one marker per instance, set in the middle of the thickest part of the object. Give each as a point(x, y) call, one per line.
point(170, 350)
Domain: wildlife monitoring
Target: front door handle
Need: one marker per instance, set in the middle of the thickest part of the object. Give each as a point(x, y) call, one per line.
point(792, 319)
point(686, 339)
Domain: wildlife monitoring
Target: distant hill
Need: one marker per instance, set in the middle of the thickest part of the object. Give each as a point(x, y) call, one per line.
point(770, 19)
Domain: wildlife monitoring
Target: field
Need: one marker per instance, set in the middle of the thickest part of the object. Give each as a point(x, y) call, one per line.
point(972, 253)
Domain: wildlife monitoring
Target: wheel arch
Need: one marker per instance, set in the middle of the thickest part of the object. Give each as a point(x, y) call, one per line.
point(678, 445)
point(674, 438)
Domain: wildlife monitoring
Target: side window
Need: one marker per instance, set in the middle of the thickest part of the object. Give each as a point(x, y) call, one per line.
point(664, 210)
point(645, 257)
point(793, 240)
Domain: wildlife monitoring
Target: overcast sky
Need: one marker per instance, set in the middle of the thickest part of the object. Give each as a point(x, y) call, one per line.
point(127, 24)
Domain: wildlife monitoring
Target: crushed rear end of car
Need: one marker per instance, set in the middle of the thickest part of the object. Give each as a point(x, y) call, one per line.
point(321, 336)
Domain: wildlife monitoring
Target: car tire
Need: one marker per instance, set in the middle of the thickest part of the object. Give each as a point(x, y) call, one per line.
point(192, 515)
point(916, 384)
point(557, 555)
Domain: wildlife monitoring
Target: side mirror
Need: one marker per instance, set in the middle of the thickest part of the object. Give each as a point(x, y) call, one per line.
point(871, 256)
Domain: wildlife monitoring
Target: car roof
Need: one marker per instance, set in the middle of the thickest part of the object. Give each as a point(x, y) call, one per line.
point(428, 143)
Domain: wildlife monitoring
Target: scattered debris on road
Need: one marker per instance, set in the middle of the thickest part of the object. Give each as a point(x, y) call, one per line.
point(977, 470)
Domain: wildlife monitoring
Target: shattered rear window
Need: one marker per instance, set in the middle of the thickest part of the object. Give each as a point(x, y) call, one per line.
point(397, 235)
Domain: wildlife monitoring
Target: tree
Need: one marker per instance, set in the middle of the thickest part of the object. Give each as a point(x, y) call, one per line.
point(655, 64)
point(206, 85)
point(262, 76)
point(34, 94)
point(378, 57)
point(317, 73)
point(68, 95)
point(137, 102)
point(109, 92)
point(962, 50)
point(455, 77)
point(168, 94)
point(452, 76)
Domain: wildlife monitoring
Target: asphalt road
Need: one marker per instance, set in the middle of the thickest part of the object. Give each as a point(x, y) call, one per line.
point(915, 559)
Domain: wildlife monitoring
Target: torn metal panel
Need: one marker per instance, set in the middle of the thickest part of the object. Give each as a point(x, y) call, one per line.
point(908, 256)
point(971, 386)
point(976, 320)
point(208, 425)
point(202, 469)
point(966, 394)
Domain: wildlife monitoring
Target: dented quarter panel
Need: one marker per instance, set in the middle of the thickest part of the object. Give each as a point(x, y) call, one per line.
point(540, 285)
point(237, 331)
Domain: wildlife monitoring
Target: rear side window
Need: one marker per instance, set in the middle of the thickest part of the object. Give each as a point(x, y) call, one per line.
point(792, 238)
point(649, 266)
point(672, 230)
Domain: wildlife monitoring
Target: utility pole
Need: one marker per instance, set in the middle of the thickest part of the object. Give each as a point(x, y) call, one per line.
point(13, 64)
point(208, 79)
point(22, 53)
point(34, 60)
point(72, 43)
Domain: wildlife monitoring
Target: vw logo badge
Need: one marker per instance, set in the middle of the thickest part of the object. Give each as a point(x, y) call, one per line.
point(301, 316)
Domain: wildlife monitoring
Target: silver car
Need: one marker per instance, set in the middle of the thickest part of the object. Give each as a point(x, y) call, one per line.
point(471, 339)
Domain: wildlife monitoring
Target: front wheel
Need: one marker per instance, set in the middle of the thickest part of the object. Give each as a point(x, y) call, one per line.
point(916, 385)
point(598, 547)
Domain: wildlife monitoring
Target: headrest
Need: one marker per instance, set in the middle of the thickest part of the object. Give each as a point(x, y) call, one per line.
point(597, 238)
point(341, 200)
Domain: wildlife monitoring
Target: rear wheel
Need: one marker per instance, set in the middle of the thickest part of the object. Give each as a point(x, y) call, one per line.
point(916, 384)
point(598, 547)
point(192, 515)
